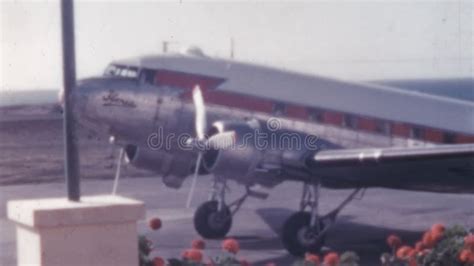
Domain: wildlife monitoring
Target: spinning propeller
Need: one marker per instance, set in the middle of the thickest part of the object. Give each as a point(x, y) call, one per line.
point(218, 141)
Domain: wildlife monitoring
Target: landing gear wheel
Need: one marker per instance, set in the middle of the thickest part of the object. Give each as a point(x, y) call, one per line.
point(298, 237)
point(211, 223)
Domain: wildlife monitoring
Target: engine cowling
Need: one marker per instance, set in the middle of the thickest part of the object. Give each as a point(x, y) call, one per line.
point(238, 160)
point(173, 169)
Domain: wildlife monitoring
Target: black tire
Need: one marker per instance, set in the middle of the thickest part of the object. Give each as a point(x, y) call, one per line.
point(294, 235)
point(210, 223)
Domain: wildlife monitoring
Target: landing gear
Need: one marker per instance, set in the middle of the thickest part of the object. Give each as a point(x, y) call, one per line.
point(300, 237)
point(213, 219)
point(305, 231)
point(210, 222)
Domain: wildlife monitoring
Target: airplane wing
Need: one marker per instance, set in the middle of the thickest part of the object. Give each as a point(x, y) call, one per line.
point(433, 168)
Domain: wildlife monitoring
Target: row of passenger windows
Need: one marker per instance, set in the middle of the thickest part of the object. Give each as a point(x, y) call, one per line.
point(354, 122)
point(280, 109)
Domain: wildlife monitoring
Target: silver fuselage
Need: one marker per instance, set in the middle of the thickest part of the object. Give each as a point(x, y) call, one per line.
point(153, 123)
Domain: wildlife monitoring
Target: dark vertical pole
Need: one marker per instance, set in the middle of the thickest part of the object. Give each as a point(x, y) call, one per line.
point(69, 82)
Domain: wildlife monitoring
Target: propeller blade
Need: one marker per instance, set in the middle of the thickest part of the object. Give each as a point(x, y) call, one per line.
point(200, 112)
point(222, 140)
point(200, 123)
point(193, 184)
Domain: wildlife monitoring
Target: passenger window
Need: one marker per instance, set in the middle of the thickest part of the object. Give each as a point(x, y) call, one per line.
point(316, 115)
point(350, 121)
point(279, 109)
point(383, 127)
point(416, 133)
point(147, 76)
point(449, 138)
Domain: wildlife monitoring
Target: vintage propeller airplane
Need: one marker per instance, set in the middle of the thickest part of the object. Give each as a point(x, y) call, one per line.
point(267, 126)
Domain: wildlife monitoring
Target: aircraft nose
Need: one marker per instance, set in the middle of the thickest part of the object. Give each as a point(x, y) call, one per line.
point(78, 97)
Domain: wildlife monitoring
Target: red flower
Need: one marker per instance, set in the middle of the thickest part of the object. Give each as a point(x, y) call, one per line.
point(438, 228)
point(466, 256)
point(424, 252)
point(157, 261)
point(193, 255)
point(428, 240)
point(404, 252)
point(198, 244)
point(244, 263)
point(231, 245)
point(437, 236)
point(412, 254)
point(394, 241)
point(155, 223)
point(331, 259)
point(313, 258)
point(469, 241)
point(419, 246)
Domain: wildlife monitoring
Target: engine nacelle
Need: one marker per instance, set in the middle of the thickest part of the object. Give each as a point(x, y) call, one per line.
point(240, 159)
point(174, 169)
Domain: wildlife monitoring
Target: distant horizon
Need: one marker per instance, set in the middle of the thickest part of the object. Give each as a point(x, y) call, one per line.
point(28, 97)
point(10, 90)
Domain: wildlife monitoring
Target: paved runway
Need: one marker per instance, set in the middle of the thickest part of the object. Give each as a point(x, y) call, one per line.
point(362, 227)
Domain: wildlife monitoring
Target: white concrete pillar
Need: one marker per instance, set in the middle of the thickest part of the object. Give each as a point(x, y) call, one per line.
point(97, 231)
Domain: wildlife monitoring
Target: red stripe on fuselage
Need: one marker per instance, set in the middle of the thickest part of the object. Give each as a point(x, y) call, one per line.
point(461, 138)
point(366, 124)
point(433, 135)
point(299, 112)
point(400, 129)
point(333, 118)
point(238, 101)
point(186, 80)
point(212, 95)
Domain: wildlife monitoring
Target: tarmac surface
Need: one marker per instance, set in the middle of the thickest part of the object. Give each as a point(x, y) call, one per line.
point(32, 148)
point(362, 226)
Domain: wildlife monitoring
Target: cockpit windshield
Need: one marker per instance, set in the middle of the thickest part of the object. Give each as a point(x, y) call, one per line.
point(121, 71)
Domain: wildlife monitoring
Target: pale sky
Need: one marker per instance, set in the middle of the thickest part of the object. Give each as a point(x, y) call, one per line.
point(357, 40)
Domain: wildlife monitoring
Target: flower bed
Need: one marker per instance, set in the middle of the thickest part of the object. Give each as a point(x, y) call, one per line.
point(439, 246)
